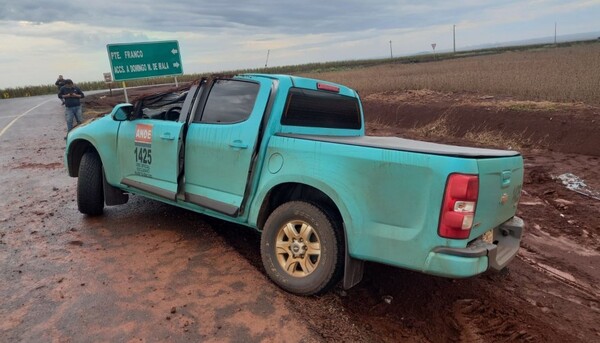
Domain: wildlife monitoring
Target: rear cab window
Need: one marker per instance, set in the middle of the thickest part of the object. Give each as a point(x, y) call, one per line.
point(320, 109)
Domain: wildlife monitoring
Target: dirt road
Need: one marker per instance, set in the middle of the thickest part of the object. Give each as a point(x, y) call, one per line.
point(149, 272)
point(144, 271)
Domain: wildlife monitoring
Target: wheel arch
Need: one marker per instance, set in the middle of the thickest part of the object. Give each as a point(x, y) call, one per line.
point(292, 191)
point(76, 151)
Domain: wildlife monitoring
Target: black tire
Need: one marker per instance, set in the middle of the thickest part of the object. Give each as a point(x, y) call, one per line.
point(90, 194)
point(292, 264)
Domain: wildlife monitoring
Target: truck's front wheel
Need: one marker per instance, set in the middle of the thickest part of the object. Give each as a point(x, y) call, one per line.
point(90, 195)
point(301, 248)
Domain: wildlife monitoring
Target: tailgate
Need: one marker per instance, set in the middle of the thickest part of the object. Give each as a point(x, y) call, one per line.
point(500, 183)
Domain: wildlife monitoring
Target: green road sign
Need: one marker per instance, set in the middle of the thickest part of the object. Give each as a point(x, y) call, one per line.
point(148, 59)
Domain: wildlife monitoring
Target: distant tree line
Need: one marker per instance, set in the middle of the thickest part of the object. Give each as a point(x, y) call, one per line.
point(311, 68)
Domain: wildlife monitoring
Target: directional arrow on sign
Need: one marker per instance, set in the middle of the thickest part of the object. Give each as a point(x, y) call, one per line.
point(176, 65)
point(174, 51)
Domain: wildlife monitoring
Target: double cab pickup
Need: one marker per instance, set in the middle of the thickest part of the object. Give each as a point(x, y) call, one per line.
point(288, 156)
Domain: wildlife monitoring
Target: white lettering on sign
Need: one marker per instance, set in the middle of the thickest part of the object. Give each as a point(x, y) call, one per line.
point(134, 54)
point(137, 68)
point(119, 69)
point(115, 55)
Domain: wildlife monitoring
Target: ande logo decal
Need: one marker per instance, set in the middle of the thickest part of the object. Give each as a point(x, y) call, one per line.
point(143, 134)
point(143, 149)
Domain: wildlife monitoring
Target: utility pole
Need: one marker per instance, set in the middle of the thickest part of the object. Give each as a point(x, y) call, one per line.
point(267, 61)
point(454, 38)
point(554, 33)
point(391, 55)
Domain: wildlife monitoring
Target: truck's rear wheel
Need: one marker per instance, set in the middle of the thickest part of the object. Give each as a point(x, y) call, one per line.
point(301, 249)
point(90, 195)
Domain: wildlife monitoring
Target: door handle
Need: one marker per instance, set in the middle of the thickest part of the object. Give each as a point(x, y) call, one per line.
point(167, 136)
point(238, 144)
point(506, 178)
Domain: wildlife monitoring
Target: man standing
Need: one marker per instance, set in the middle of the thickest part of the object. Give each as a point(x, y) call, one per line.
point(71, 95)
point(59, 83)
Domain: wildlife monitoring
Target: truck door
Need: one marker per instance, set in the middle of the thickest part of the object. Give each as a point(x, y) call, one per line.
point(149, 155)
point(220, 143)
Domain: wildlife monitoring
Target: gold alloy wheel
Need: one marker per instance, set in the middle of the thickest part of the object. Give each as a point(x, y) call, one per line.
point(298, 248)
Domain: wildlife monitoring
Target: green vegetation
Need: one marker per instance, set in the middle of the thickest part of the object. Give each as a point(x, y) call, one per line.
point(562, 72)
point(86, 86)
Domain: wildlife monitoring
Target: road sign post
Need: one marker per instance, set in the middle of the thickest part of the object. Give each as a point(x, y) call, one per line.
point(108, 81)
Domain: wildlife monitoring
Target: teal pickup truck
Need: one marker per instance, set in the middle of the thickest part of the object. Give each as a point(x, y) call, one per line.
point(288, 156)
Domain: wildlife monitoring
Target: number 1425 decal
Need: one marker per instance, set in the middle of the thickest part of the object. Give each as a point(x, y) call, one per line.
point(143, 155)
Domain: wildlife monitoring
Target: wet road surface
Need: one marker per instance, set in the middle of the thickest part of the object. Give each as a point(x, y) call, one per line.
point(143, 271)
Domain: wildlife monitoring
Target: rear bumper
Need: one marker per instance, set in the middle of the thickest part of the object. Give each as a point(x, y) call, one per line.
point(479, 256)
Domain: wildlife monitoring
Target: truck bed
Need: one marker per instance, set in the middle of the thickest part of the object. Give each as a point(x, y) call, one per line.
point(402, 144)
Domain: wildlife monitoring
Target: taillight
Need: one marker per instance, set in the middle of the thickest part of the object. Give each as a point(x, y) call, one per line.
point(458, 208)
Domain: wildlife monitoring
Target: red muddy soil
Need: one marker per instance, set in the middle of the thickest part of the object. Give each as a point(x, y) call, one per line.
point(145, 271)
point(551, 292)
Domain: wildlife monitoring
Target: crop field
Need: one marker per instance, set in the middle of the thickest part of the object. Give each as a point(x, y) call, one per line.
point(563, 74)
point(566, 72)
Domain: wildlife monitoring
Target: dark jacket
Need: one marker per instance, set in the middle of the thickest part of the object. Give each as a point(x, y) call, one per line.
point(65, 92)
point(59, 83)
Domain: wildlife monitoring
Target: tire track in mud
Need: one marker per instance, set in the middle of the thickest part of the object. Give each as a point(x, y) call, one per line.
point(566, 279)
point(472, 320)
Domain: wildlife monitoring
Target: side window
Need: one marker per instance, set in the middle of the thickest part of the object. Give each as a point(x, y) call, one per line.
point(229, 101)
point(321, 109)
point(162, 106)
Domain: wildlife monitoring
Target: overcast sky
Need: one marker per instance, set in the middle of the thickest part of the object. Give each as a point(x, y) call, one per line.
point(41, 39)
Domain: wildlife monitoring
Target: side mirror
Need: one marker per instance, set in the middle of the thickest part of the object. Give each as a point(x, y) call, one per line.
point(121, 112)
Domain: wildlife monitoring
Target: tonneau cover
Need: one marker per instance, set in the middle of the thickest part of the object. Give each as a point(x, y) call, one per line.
point(396, 143)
